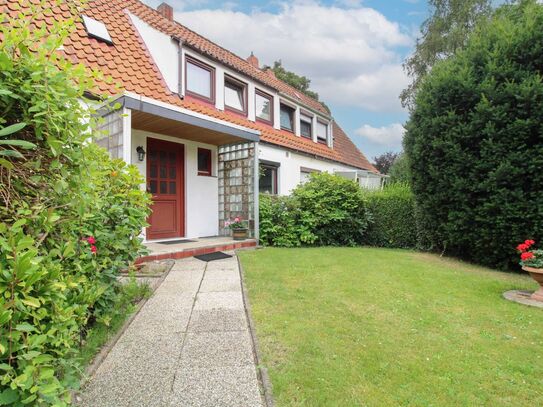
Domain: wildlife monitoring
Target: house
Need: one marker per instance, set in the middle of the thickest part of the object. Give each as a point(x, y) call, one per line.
point(208, 130)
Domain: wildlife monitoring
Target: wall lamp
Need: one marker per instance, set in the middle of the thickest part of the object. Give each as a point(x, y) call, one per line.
point(141, 153)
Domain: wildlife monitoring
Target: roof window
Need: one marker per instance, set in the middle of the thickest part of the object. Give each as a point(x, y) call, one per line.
point(96, 29)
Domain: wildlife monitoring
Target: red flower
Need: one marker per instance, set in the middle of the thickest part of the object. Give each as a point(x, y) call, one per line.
point(526, 256)
point(523, 247)
point(529, 242)
point(93, 250)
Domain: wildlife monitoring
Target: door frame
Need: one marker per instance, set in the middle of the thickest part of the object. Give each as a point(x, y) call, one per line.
point(180, 190)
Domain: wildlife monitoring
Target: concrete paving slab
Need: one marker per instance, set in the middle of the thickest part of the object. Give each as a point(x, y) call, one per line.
point(219, 300)
point(217, 349)
point(218, 320)
point(216, 387)
point(135, 374)
point(230, 283)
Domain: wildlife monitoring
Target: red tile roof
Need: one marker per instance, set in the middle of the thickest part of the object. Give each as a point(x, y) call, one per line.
point(130, 65)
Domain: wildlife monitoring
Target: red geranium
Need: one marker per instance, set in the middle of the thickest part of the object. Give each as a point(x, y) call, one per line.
point(526, 256)
point(529, 242)
point(93, 249)
point(91, 240)
point(523, 247)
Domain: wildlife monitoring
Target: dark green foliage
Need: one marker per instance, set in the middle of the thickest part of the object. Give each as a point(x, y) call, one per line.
point(57, 190)
point(475, 141)
point(399, 170)
point(393, 221)
point(327, 210)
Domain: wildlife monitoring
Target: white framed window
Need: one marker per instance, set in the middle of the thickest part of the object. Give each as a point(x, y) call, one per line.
point(322, 132)
point(306, 125)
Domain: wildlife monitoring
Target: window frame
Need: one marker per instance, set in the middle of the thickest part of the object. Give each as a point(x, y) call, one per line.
point(306, 119)
point(265, 95)
point(208, 172)
point(243, 85)
point(275, 176)
point(293, 110)
point(319, 139)
point(191, 60)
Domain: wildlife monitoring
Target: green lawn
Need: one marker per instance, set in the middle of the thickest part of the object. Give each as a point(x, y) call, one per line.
point(378, 327)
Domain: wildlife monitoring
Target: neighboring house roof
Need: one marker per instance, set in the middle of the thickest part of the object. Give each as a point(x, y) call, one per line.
point(130, 65)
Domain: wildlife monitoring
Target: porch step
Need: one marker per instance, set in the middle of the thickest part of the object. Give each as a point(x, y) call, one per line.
point(190, 251)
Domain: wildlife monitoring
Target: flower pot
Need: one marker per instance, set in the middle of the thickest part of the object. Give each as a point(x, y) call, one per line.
point(239, 234)
point(537, 275)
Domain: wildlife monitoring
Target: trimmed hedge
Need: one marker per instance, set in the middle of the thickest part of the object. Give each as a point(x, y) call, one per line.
point(475, 141)
point(393, 222)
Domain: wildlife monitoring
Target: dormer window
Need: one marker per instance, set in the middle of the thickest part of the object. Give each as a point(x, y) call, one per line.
point(287, 118)
point(306, 123)
point(322, 132)
point(264, 107)
point(235, 95)
point(200, 80)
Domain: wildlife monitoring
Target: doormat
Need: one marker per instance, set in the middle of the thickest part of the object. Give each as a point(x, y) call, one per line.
point(213, 256)
point(177, 241)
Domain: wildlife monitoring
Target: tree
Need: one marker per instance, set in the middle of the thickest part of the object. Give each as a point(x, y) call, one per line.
point(384, 161)
point(301, 83)
point(399, 171)
point(442, 34)
point(475, 140)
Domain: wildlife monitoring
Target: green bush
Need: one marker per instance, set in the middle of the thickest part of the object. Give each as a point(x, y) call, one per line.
point(475, 141)
point(54, 193)
point(393, 222)
point(326, 210)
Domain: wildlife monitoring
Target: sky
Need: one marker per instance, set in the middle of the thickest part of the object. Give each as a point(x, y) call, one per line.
point(352, 50)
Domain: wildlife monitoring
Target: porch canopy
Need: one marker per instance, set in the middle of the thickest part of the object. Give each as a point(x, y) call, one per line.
point(156, 117)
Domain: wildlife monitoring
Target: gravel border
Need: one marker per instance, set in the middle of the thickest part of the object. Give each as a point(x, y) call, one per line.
point(261, 371)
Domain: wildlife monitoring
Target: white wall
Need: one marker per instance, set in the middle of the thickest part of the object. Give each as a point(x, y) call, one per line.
point(288, 176)
point(201, 192)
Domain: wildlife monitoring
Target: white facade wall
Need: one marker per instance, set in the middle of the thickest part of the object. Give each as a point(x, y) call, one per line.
point(291, 165)
point(201, 192)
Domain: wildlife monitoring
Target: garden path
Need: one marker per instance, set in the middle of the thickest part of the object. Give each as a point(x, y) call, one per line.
point(190, 345)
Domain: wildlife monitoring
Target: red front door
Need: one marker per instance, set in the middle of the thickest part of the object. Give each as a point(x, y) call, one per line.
point(165, 182)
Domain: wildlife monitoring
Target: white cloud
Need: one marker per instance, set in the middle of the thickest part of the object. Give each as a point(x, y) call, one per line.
point(390, 136)
point(351, 54)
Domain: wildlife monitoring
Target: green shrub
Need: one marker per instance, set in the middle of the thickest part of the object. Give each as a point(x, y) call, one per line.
point(279, 224)
point(475, 141)
point(326, 210)
point(393, 222)
point(399, 171)
point(53, 195)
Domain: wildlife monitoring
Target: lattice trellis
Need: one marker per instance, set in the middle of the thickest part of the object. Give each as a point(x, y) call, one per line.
point(236, 184)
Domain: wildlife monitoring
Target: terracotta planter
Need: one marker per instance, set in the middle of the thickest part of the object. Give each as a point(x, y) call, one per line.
point(239, 234)
point(537, 275)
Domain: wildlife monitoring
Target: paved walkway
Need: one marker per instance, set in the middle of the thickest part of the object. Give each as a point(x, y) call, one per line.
point(189, 346)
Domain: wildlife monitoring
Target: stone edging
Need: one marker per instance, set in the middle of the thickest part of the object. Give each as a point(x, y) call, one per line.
point(106, 348)
point(261, 371)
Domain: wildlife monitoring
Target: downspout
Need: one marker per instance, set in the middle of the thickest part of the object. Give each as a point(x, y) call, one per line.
point(180, 59)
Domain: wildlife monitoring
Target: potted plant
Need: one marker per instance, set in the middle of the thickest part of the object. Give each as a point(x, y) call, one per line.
point(531, 261)
point(238, 227)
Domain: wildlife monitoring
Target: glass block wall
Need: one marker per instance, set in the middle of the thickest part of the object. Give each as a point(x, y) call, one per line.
point(110, 133)
point(236, 185)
